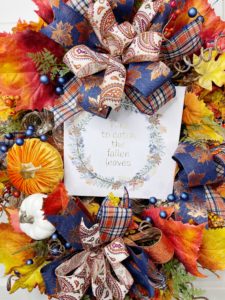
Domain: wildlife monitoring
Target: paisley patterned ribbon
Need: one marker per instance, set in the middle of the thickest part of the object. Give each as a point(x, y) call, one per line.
point(124, 44)
point(92, 267)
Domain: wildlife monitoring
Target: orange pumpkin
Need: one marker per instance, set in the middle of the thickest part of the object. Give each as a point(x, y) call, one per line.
point(35, 167)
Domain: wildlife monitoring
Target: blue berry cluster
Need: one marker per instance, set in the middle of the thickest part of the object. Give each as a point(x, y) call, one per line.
point(44, 79)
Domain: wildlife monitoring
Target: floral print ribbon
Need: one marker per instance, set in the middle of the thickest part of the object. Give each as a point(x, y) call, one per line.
point(92, 267)
point(121, 44)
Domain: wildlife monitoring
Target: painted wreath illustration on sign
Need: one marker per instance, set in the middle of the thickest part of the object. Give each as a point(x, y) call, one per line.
point(83, 163)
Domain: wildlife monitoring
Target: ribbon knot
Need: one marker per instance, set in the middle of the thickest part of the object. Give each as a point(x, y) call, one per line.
point(124, 43)
point(92, 267)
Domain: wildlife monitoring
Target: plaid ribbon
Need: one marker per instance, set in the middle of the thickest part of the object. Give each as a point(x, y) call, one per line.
point(68, 104)
point(185, 42)
point(156, 100)
point(79, 5)
point(114, 221)
point(202, 171)
point(214, 202)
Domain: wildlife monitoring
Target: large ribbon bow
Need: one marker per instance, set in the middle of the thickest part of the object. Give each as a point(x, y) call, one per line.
point(92, 267)
point(122, 44)
point(202, 171)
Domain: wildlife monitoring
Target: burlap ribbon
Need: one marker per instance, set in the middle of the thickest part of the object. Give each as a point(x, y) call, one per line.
point(93, 267)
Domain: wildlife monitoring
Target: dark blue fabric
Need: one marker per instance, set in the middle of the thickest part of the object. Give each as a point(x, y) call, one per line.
point(68, 224)
point(81, 32)
point(137, 265)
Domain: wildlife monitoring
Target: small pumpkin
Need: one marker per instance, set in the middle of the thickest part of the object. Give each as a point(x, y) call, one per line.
point(35, 167)
point(32, 219)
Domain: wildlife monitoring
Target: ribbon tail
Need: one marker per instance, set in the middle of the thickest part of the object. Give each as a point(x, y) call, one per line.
point(74, 285)
point(116, 252)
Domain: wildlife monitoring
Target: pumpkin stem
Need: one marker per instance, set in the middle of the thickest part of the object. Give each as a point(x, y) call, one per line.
point(24, 218)
point(28, 170)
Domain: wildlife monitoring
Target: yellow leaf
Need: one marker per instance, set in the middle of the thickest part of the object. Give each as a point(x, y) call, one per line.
point(212, 251)
point(10, 243)
point(114, 201)
point(207, 132)
point(30, 276)
point(195, 110)
point(92, 208)
point(212, 71)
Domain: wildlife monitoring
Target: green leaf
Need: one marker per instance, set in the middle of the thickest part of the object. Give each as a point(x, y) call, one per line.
point(182, 287)
point(47, 63)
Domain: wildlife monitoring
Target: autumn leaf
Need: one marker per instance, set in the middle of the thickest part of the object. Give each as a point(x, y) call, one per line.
point(13, 216)
point(20, 78)
point(84, 30)
point(212, 251)
point(199, 120)
point(10, 243)
point(56, 201)
point(211, 71)
point(91, 82)
point(30, 276)
point(44, 10)
point(62, 34)
point(206, 132)
point(133, 75)
point(185, 238)
point(194, 110)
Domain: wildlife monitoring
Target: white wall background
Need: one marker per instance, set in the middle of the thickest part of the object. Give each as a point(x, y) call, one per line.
point(10, 12)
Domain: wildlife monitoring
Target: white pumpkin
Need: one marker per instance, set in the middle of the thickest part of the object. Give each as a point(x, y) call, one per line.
point(32, 219)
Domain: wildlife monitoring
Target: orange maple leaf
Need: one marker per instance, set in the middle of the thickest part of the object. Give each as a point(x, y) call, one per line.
point(185, 238)
point(11, 243)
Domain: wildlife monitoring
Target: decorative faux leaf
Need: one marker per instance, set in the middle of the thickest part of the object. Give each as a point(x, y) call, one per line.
point(23, 25)
point(13, 216)
point(19, 77)
point(194, 110)
point(210, 131)
point(47, 63)
point(212, 251)
point(44, 10)
point(199, 121)
point(211, 71)
point(56, 201)
point(10, 243)
point(30, 276)
point(185, 238)
point(179, 285)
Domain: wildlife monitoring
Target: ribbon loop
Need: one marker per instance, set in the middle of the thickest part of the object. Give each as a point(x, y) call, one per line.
point(119, 38)
point(83, 61)
point(146, 13)
point(144, 47)
point(92, 267)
